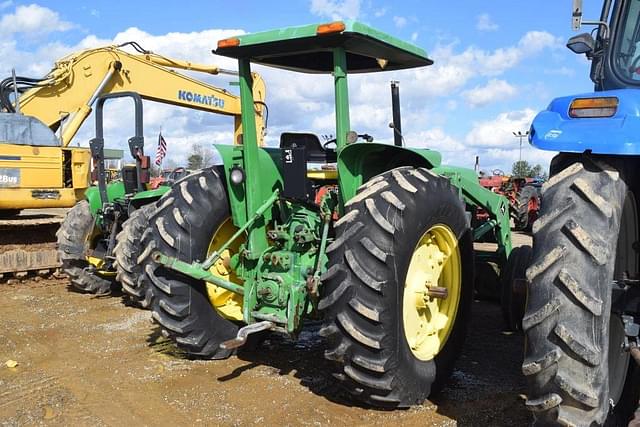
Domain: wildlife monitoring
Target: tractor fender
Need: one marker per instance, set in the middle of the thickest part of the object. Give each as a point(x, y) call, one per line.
point(553, 129)
point(358, 162)
point(149, 196)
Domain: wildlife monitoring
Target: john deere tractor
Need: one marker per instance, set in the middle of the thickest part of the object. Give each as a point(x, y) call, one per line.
point(103, 230)
point(380, 245)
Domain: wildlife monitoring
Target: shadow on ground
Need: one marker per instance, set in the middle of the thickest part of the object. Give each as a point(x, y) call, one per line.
point(485, 388)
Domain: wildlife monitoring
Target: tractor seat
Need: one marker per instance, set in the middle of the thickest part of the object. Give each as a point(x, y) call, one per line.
point(315, 153)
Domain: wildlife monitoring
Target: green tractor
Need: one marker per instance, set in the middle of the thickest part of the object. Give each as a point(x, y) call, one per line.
point(380, 246)
point(99, 240)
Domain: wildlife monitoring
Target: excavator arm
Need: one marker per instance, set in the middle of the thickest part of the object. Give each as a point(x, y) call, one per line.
point(64, 98)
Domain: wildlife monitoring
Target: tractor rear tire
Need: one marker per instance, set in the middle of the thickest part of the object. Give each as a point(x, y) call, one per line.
point(514, 287)
point(127, 250)
point(73, 245)
point(181, 226)
point(363, 294)
point(527, 209)
point(571, 333)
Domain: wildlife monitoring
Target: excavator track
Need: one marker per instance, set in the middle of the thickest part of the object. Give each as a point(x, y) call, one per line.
point(28, 244)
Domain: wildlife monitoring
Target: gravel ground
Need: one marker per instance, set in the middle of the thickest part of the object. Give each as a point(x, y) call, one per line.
point(94, 361)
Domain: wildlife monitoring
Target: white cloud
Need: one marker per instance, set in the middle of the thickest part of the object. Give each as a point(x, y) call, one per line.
point(336, 9)
point(494, 90)
point(498, 132)
point(535, 41)
point(400, 21)
point(485, 23)
point(32, 20)
point(434, 139)
point(414, 36)
point(452, 70)
point(503, 159)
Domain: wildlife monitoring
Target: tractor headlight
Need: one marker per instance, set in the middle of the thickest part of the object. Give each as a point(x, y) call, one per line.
point(237, 175)
point(593, 107)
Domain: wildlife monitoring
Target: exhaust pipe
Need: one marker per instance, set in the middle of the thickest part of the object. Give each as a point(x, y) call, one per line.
point(396, 124)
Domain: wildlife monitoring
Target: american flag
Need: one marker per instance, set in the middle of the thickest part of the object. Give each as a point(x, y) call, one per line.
point(162, 149)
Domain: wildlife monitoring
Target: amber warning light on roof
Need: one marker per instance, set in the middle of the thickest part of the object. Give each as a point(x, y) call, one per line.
point(232, 42)
point(330, 28)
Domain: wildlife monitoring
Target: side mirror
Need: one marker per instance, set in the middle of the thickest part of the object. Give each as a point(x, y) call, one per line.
point(582, 43)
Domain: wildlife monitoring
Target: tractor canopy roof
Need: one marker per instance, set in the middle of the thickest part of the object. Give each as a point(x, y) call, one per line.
point(308, 48)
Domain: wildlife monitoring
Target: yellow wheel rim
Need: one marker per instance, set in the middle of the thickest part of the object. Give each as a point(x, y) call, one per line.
point(227, 303)
point(432, 292)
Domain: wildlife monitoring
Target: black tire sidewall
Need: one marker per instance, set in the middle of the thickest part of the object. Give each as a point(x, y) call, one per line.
point(517, 264)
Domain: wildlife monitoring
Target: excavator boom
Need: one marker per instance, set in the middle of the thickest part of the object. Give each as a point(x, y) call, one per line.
point(65, 96)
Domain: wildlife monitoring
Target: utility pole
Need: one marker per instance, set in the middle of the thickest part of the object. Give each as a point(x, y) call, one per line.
point(521, 135)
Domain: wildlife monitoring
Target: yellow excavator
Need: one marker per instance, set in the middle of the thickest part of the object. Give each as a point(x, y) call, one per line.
point(40, 117)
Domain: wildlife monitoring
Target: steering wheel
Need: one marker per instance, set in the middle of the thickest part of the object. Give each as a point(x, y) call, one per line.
point(174, 173)
point(633, 68)
point(326, 145)
point(364, 136)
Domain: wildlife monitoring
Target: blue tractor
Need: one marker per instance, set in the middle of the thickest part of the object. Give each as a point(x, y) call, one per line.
point(582, 318)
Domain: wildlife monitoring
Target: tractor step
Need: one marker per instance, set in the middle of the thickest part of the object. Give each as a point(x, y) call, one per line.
point(244, 332)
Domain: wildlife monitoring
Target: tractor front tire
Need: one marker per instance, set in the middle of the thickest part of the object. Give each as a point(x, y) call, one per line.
point(182, 225)
point(74, 243)
point(127, 251)
point(374, 295)
point(513, 287)
point(527, 208)
point(574, 359)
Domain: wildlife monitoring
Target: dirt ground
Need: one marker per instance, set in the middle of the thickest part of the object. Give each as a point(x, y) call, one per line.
point(94, 361)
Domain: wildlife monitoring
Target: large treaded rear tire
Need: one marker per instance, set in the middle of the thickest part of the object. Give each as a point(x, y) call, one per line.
point(362, 293)
point(182, 225)
point(568, 313)
point(127, 250)
point(524, 216)
point(73, 244)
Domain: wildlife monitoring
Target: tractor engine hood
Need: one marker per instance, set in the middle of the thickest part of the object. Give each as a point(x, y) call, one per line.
point(618, 133)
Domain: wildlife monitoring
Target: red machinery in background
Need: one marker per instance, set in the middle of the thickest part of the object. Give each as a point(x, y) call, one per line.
point(523, 195)
point(168, 176)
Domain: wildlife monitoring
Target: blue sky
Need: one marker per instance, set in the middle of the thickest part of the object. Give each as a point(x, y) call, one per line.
point(496, 63)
